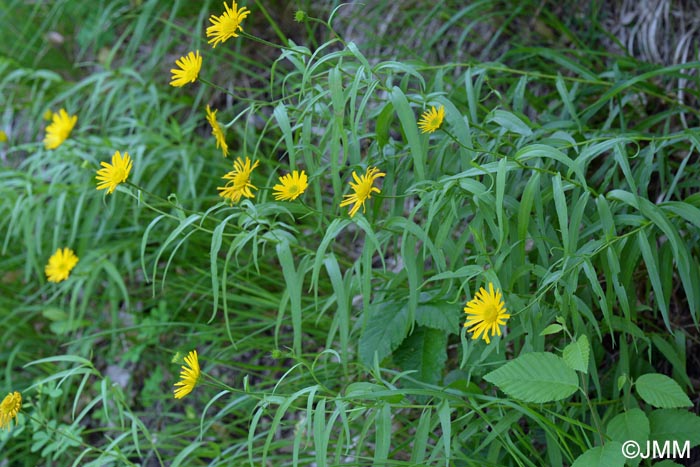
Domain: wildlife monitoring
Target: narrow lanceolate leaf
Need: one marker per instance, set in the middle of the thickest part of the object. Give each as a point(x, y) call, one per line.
point(661, 391)
point(577, 353)
point(535, 377)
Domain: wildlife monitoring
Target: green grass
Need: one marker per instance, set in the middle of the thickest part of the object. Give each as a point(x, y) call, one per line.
point(563, 174)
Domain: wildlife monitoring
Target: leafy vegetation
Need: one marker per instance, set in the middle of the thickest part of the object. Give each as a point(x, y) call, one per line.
point(563, 175)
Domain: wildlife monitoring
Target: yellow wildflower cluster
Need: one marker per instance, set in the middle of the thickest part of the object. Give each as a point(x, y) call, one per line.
point(486, 312)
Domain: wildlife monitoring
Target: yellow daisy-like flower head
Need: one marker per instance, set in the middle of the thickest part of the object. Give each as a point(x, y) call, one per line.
point(9, 408)
point(59, 129)
point(362, 189)
point(60, 265)
point(431, 119)
point(189, 65)
point(239, 181)
point(189, 376)
point(291, 186)
point(486, 312)
point(227, 25)
point(112, 175)
point(216, 131)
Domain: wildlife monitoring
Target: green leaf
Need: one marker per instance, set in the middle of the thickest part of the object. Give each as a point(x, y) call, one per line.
point(632, 425)
point(577, 354)
point(365, 390)
point(439, 315)
point(510, 122)
point(294, 279)
point(651, 260)
point(216, 240)
point(566, 99)
point(54, 314)
point(661, 391)
point(382, 435)
point(674, 357)
point(282, 118)
point(386, 328)
point(551, 329)
point(537, 151)
point(609, 455)
point(384, 120)
point(425, 352)
point(675, 425)
point(562, 211)
point(535, 377)
point(408, 123)
point(681, 253)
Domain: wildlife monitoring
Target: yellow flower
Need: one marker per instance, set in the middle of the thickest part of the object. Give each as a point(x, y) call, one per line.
point(363, 189)
point(9, 408)
point(112, 175)
point(239, 181)
point(431, 119)
point(190, 66)
point(3, 137)
point(291, 186)
point(188, 376)
point(216, 131)
point(59, 129)
point(48, 114)
point(486, 312)
point(60, 265)
point(227, 25)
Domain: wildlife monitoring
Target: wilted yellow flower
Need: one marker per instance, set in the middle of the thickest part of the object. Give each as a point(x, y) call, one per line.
point(188, 376)
point(3, 137)
point(9, 408)
point(227, 25)
point(291, 186)
point(239, 181)
point(216, 131)
point(60, 265)
point(112, 175)
point(486, 312)
point(362, 189)
point(431, 119)
point(59, 129)
point(189, 69)
point(48, 114)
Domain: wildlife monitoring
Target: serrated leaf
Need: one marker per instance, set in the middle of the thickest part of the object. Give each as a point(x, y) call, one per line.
point(632, 425)
point(661, 391)
point(667, 463)
point(535, 377)
point(424, 351)
point(674, 425)
point(609, 455)
point(439, 315)
point(577, 354)
point(386, 328)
